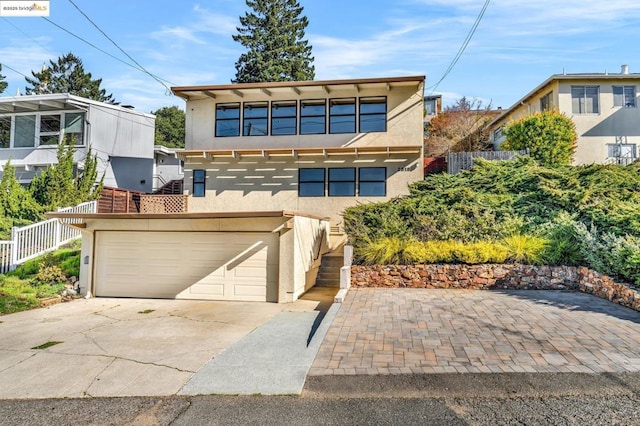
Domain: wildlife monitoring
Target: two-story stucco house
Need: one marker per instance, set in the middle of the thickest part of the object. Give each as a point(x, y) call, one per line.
point(604, 108)
point(269, 168)
point(33, 126)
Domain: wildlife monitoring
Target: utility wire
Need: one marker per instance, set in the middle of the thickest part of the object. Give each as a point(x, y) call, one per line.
point(464, 45)
point(119, 48)
point(27, 35)
point(96, 47)
point(13, 69)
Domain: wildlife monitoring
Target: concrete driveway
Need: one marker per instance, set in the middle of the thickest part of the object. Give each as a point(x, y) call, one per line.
point(122, 347)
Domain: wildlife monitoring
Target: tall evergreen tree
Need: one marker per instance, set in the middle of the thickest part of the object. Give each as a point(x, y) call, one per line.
point(273, 34)
point(3, 84)
point(67, 75)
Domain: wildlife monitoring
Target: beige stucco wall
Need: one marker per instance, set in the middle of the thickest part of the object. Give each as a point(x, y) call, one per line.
point(254, 184)
point(404, 121)
point(595, 131)
point(298, 239)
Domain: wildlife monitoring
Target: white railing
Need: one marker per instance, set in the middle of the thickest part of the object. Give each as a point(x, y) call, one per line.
point(34, 240)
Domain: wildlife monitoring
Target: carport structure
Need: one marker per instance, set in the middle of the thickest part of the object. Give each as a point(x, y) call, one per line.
point(266, 256)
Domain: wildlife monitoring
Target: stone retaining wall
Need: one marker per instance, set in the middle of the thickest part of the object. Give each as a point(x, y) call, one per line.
point(507, 276)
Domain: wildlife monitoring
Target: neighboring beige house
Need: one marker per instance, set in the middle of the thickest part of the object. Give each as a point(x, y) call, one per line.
point(604, 108)
point(269, 168)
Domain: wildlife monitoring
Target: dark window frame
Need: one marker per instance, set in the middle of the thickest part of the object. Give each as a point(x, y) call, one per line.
point(255, 105)
point(199, 183)
point(288, 117)
point(623, 95)
point(583, 108)
point(237, 106)
point(334, 115)
point(323, 116)
point(338, 181)
point(366, 114)
point(361, 181)
point(302, 181)
point(546, 102)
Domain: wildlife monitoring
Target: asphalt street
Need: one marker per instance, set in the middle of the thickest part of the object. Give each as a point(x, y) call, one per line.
point(496, 399)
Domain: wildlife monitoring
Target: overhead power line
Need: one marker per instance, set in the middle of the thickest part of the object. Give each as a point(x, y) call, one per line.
point(97, 48)
point(464, 45)
point(119, 48)
point(12, 69)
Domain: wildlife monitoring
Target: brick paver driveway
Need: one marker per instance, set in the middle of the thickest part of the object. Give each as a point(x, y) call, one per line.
point(404, 331)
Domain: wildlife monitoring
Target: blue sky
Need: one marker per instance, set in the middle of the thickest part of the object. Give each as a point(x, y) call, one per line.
point(518, 44)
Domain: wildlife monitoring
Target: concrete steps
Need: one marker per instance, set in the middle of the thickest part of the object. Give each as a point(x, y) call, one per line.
point(329, 272)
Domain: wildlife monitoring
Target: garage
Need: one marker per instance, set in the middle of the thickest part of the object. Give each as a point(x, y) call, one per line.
point(241, 266)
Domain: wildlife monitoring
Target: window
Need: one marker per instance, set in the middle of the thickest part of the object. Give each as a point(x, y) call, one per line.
point(373, 114)
point(584, 99)
point(624, 96)
point(342, 182)
point(342, 115)
point(624, 150)
point(284, 118)
point(311, 183)
point(546, 102)
point(199, 183)
point(25, 131)
point(372, 181)
point(430, 106)
point(313, 117)
point(5, 132)
point(255, 119)
point(227, 120)
point(49, 129)
point(74, 127)
point(497, 135)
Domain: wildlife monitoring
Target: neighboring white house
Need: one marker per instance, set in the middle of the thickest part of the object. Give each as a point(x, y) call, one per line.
point(604, 108)
point(33, 126)
point(269, 168)
point(167, 167)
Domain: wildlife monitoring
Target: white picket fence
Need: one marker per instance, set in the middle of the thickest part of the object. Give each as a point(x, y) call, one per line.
point(36, 239)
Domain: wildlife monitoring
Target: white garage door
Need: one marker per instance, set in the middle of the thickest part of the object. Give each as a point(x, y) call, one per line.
point(187, 265)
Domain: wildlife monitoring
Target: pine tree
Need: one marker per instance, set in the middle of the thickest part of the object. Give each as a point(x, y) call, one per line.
point(3, 84)
point(67, 75)
point(57, 186)
point(273, 34)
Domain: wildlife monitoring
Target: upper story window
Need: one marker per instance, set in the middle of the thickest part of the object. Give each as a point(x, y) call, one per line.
point(49, 129)
point(430, 106)
point(74, 127)
point(255, 119)
point(284, 117)
point(624, 96)
point(342, 115)
point(313, 117)
point(373, 114)
point(585, 99)
point(546, 102)
point(40, 129)
point(227, 120)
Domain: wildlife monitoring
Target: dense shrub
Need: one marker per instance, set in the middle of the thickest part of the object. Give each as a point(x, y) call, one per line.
point(550, 209)
point(550, 137)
